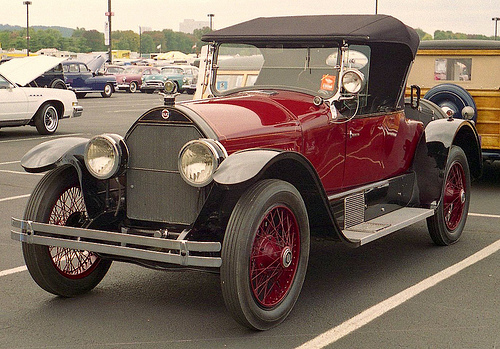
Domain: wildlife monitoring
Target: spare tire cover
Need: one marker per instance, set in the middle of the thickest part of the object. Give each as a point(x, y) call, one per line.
point(452, 96)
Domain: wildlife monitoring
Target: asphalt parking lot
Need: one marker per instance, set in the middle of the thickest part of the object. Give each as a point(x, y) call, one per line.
point(397, 292)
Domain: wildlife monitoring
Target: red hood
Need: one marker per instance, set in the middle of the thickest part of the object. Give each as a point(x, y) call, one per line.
point(255, 119)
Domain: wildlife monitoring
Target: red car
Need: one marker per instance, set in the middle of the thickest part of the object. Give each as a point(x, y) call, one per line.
point(320, 143)
point(131, 78)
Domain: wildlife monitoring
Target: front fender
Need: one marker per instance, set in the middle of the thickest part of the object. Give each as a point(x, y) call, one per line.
point(243, 166)
point(52, 154)
point(242, 169)
point(67, 152)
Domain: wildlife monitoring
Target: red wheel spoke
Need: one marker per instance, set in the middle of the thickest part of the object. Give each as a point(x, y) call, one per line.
point(274, 256)
point(69, 262)
point(453, 201)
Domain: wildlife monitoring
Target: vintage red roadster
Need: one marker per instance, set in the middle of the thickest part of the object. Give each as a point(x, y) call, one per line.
point(316, 140)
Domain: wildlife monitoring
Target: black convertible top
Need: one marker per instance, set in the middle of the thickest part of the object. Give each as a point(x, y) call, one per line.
point(323, 28)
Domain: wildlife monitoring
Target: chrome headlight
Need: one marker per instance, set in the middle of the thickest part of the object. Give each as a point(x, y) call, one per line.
point(353, 81)
point(199, 159)
point(106, 156)
point(169, 86)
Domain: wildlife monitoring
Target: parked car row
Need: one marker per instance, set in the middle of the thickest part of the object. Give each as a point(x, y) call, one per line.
point(84, 78)
point(184, 78)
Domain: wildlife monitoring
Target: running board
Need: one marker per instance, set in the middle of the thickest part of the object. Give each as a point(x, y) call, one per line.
point(376, 228)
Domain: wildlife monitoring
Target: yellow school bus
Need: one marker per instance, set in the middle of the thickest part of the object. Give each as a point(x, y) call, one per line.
point(459, 73)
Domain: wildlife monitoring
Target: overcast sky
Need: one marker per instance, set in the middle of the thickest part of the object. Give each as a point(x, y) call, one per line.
point(464, 16)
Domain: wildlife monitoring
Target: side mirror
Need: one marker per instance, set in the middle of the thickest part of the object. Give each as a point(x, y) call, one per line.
point(415, 102)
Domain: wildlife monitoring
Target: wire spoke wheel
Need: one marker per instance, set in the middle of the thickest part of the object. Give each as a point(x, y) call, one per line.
point(454, 196)
point(57, 199)
point(70, 263)
point(264, 254)
point(448, 222)
point(274, 256)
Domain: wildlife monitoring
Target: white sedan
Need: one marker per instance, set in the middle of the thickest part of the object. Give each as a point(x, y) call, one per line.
point(35, 106)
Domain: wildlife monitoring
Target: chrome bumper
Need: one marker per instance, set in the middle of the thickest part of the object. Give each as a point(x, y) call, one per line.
point(77, 111)
point(116, 244)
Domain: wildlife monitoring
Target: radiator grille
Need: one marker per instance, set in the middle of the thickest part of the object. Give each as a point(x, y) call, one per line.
point(155, 189)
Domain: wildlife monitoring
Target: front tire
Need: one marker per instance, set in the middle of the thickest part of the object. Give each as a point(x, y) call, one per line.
point(57, 199)
point(132, 88)
point(265, 254)
point(108, 91)
point(47, 119)
point(447, 224)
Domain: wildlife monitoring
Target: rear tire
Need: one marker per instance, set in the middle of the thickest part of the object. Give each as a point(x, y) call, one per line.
point(57, 199)
point(265, 254)
point(58, 83)
point(447, 224)
point(47, 119)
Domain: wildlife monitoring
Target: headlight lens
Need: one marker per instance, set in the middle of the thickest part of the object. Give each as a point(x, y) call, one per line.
point(106, 156)
point(169, 86)
point(353, 81)
point(199, 159)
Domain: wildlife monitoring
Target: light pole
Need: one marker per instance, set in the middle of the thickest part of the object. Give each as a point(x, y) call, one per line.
point(376, 6)
point(496, 19)
point(27, 3)
point(109, 14)
point(210, 16)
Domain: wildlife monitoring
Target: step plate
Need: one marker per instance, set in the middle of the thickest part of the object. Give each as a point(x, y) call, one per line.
point(374, 229)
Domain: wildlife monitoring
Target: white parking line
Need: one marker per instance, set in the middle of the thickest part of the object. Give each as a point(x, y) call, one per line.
point(122, 111)
point(23, 173)
point(484, 215)
point(15, 197)
point(13, 271)
point(9, 162)
point(38, 138)
point(342, 330)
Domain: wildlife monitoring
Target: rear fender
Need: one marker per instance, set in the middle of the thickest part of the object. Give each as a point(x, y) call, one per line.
point(432, 154)
point(242, 169)
point(67, 152)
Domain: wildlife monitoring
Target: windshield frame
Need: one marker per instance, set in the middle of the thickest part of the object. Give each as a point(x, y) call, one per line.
point(311, 51)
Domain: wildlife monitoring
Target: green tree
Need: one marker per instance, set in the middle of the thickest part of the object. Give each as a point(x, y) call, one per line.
point(125, 40)
point(94, 40)
point(423, 35)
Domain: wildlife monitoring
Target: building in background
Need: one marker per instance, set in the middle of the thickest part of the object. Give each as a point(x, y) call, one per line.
point(189, 25)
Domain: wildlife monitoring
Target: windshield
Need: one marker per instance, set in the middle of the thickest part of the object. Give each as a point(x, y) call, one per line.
point(133, 70)
point(169, 71)
point(310, 69)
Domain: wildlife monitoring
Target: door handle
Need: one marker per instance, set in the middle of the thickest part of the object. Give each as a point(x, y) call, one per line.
point(353, 134)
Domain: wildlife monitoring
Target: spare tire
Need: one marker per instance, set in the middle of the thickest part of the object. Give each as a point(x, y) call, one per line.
point(452, 96)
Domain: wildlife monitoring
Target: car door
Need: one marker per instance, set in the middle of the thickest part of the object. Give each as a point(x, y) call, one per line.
point(379, 146)
point(73, 77)
point(86, 77)
point(13, 101)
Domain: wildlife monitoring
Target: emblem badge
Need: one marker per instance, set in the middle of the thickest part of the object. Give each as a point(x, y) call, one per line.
point(165, 114)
